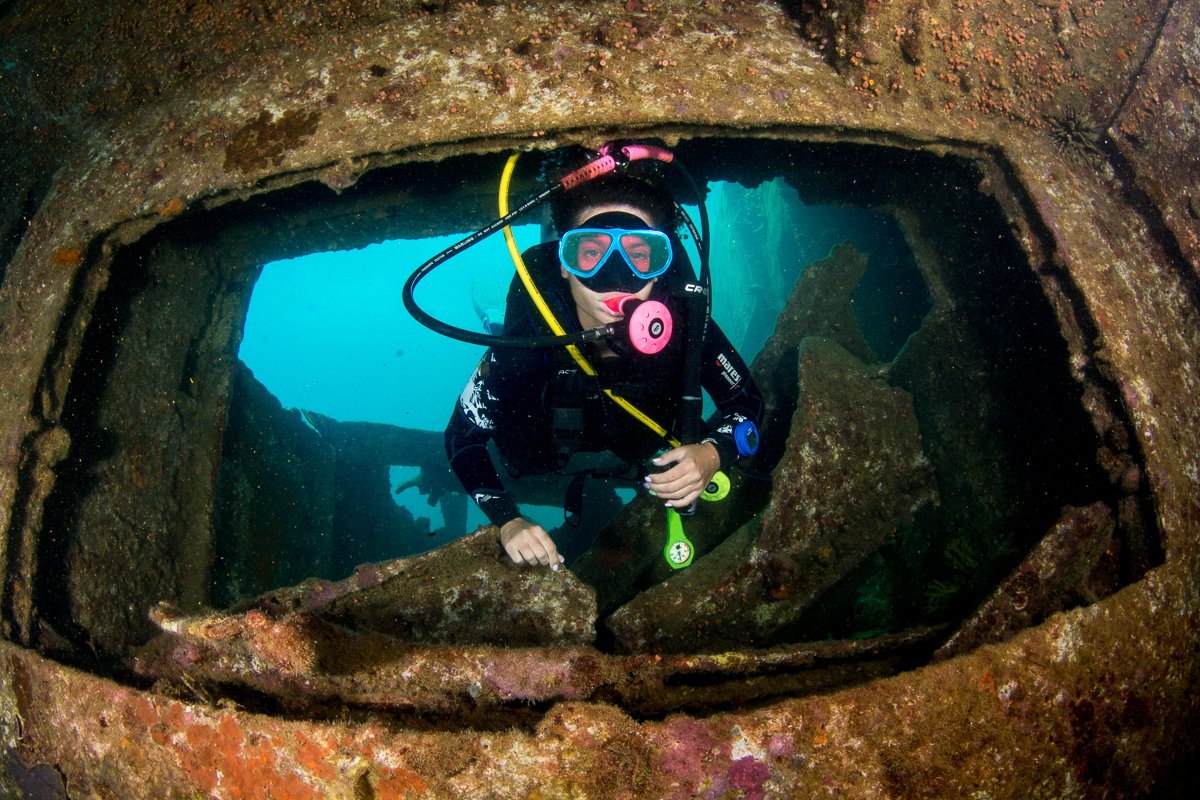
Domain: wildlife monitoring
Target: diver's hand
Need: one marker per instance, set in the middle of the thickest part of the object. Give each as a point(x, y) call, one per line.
point(694, 466)
point(527, 543)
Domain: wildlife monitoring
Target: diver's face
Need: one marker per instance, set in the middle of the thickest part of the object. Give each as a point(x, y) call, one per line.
point(593, 313)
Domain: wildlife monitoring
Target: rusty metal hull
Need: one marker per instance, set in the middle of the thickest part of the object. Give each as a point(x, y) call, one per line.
point(1080, 116)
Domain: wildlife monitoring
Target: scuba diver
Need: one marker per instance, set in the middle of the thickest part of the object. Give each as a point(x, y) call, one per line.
point(617, 284)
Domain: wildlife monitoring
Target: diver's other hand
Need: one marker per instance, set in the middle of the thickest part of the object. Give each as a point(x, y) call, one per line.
point(694, 466)
point(527, 543)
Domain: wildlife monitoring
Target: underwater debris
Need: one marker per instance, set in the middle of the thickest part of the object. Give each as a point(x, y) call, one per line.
point(303, 662)
point(853, 470)
point(287, 644)
point(1062, 560)
point(462, 593)
point(819, 305)
point(466, 593)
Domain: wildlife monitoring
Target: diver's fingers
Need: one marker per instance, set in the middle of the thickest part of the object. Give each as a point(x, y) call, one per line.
point(537, 542)
point(532, 545)
point(699, 457)
point(694, 466)
point(514, 535)
point(682, 497)
point(686, 500)
point(532, 548)
point(673, 473)
point(680, 491)
point(676, 472)
point(527, 550)
point(529, 553)
point(514, 550)
point(685, 474)
point(669, 457)
point(544, 549)
point(669, 490)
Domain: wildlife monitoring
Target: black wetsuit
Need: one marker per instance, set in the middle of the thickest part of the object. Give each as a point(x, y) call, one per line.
point(539, 406)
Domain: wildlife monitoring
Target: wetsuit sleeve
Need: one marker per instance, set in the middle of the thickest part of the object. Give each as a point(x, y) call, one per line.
point(500, 402)
point(727, 380)
point(471, 427)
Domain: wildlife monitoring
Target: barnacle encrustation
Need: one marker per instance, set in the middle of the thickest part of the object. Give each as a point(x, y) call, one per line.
point(1075, 134)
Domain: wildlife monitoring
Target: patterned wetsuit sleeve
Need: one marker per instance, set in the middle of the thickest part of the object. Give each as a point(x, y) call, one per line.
point(470, 429)
point(727, 380)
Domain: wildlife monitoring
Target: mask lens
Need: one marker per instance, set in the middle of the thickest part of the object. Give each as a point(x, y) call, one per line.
point(583, 252)
point(648, 252)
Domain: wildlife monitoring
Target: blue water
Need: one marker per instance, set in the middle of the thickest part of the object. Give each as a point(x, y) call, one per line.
point(328, 331)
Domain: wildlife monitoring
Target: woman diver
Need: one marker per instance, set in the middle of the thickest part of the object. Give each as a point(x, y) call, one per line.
point(616, 267)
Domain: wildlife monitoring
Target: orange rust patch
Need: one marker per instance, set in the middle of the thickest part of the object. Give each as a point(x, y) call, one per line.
point(312, 756)
point(291, 787)
point(200, 761)
point(229, 737)
point(173, 208)
point(244, 766)
point(158, 735)
point(139, 712)
point(395, 784)
point(68, 256)
point(261, 749)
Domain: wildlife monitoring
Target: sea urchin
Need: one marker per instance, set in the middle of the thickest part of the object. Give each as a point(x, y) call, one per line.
point(1075, 135)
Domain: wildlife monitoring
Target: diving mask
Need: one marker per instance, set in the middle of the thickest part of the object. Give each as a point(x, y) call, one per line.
point(647, 253)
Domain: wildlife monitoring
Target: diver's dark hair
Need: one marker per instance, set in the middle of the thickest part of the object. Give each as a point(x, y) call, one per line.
point(638, 191)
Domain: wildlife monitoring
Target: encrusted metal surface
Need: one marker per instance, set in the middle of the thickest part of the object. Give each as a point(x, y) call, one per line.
point(1098, 701)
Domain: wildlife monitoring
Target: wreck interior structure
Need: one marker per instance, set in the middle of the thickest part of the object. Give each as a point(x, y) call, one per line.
point(963, 561)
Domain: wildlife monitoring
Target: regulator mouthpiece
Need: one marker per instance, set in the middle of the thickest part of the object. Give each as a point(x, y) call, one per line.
point(648, 322)
point(617, 304)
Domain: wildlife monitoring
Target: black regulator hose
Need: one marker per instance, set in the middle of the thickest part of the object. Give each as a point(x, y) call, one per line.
point(699, 308)
point(698, 303)
point(487, 339)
